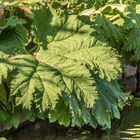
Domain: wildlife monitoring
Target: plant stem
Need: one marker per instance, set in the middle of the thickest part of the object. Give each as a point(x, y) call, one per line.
point(115, 18)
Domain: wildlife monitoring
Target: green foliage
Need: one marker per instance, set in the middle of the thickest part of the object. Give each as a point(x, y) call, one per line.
point(132, 43)
point(63, 62)
point(120, 26)
point(4, 66)
point(135, 101)
point(2, 138)
point(106, 107)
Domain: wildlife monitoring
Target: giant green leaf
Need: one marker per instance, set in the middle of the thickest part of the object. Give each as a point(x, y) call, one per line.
point(58, 80)
point(72, 39)
point(30, 85)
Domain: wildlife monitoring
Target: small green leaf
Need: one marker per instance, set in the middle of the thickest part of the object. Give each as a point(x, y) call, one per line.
point(11, 22)
point(13, 41)
point(132, 43)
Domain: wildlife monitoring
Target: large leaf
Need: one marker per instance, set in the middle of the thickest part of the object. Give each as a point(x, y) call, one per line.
point(30, 84)
point(72, 39)
point(58, 81)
